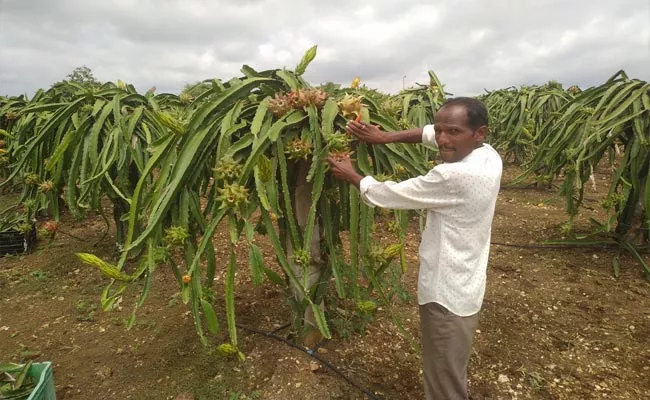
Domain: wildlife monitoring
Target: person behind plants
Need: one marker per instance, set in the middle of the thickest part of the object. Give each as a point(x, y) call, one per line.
point(459, 196)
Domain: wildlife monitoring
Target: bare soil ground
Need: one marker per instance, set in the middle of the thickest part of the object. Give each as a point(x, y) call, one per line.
point(556, 323)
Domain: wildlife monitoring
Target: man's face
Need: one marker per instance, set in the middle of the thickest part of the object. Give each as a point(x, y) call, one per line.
point(454, 137)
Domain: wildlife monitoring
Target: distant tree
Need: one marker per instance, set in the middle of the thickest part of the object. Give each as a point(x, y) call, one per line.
point(330, 87)
point(553, 85)
point(83, 76)
point(196, 88)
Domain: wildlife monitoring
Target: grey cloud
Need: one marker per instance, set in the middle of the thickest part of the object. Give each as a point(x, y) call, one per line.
point(471, 45)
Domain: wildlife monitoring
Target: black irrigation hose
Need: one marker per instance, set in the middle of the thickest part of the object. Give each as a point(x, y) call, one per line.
point(71, 235)
point(279, 328)
point(311, 353)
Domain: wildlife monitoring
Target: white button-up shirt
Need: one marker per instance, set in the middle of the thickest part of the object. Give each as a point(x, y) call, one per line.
point(459, 198)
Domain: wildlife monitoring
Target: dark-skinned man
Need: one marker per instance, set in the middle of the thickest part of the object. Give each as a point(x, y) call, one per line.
point(459, 196)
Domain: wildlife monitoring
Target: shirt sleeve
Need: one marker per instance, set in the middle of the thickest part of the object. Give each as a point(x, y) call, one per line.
point(429, 136)
point(430, 191)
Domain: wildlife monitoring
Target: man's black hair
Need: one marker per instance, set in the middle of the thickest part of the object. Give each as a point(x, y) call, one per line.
point(477, 114)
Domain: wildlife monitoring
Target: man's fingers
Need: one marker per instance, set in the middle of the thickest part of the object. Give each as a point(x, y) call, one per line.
point(333, 162)
point(354, 125)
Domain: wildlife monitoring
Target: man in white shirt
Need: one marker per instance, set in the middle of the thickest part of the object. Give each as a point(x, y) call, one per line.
point(459, 196)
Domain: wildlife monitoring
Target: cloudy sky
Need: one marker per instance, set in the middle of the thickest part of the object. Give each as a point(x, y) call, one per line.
point(471, 44)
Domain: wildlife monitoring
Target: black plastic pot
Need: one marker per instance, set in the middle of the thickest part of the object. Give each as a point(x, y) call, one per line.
point(14, 242)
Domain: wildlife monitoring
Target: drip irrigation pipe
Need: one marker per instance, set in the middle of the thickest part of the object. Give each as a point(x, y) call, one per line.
point(313, 354)
point(279, 328)
point(71, 235)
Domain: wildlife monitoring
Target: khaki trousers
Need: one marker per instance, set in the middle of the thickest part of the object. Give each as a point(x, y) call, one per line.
point(446, 345)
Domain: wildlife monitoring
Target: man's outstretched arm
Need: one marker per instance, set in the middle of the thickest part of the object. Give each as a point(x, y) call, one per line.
point(370, 134)
point(430, 191)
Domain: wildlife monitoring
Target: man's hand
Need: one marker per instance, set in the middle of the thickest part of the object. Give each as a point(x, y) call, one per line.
point(343, 169)
point(368, 133)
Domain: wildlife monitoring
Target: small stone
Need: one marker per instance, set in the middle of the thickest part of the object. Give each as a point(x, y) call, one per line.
point(322, 350)
point(103, 372)
point(314, 366)
point(503, 378)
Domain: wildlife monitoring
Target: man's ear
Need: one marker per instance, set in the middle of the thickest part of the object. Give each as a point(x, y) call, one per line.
point(481, 132)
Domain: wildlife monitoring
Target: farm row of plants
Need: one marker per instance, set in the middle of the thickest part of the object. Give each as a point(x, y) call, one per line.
point(561, 136)
point(249, 154)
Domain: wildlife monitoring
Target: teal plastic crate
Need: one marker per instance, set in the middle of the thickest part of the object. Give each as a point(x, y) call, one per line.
point(42, 373)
